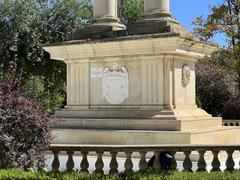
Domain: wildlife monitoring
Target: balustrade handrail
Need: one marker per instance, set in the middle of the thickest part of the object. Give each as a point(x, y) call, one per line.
point(157, 151)
point(231, 122)
point(179, 147)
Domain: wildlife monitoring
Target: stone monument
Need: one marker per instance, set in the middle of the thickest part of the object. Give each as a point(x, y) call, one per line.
point(134, 84)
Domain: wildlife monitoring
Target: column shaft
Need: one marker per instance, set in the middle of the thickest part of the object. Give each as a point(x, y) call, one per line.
point(104, 8)
point(157, 8)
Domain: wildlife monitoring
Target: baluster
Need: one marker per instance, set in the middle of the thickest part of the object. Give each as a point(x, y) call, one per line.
point(70, 162)
point(230, 162)
point(56, 162)
point(215, 163)
point(113, 164)
point(156, 162)
point(84, 164)
point(187, 163)
point(99, 163)
point(174, 162)
point(238, 163)
point(128, 163)
point(142, 162)
point(201, 161)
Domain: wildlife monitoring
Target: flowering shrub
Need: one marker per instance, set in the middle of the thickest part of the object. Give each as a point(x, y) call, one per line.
point(214, 86)
point(25, 132)
point(231, 109)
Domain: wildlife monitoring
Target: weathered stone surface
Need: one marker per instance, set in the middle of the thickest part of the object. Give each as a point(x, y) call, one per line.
point(135, 86)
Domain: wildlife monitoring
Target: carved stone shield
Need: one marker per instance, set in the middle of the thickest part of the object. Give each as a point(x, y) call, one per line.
point(186, 75)
point(115, 84)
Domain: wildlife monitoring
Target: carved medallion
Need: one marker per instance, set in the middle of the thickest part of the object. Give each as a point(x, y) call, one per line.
point(186, 75)
point(115, 84)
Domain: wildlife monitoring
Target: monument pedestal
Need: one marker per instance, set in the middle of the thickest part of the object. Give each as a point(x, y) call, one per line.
point(129, 127)
point(135, 86)
point(149, 120)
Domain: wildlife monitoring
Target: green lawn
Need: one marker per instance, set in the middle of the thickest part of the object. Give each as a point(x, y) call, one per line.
point(16, 174)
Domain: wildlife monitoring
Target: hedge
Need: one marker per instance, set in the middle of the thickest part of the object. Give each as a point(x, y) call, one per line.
point(17, 174)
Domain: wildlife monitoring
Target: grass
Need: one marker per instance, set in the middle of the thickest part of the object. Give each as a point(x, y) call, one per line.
point(17, 174)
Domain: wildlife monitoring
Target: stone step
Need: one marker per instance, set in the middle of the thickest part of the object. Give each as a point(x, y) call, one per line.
point(221, 135)
point(169, 124)
point(215, 129)
point(117, 124)
point(118, 137)
point(114, 113)
point(163, 114)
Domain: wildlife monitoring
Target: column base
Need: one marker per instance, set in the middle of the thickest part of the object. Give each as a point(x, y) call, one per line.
point(153, 23)
point(156, 14)
point(109, 21)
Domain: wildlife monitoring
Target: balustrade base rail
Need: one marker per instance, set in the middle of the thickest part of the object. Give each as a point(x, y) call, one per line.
point(231, 122)
point(144, 151)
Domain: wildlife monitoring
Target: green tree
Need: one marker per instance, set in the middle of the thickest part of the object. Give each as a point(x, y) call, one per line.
point(218, 78)
point(130, 10)
point(224, 19)
point(27, 24)
point(24, 26)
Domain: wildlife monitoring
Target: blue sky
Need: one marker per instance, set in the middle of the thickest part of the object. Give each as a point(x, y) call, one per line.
point(185, 11)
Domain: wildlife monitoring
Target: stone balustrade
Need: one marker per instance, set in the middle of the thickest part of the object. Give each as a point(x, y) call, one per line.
point(231, 122)
point(128, 150)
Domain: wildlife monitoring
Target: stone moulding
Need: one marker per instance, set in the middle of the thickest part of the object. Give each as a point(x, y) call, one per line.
point(150, 45)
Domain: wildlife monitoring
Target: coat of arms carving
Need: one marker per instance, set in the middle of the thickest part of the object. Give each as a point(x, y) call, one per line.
point(186, 75)
point(115, 84)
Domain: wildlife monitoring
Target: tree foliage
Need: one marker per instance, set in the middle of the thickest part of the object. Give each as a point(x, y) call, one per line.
point(224, 19)
point(130, 10)
point(215, 85)
point(231, 109)
point(26, 25)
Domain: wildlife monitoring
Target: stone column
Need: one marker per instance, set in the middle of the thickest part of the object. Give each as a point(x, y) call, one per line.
point(105, 14)
point(156, 9)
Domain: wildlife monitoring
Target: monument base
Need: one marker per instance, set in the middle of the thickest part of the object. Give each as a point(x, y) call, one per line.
point(126, 127)
point(221, 135)
point(135, 86)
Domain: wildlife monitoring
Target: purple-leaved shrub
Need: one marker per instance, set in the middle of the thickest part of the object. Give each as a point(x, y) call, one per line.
point(214, 86)
point(25, 131)
point(231, 109)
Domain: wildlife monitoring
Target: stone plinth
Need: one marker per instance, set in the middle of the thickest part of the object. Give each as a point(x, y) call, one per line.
point(156, 100)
